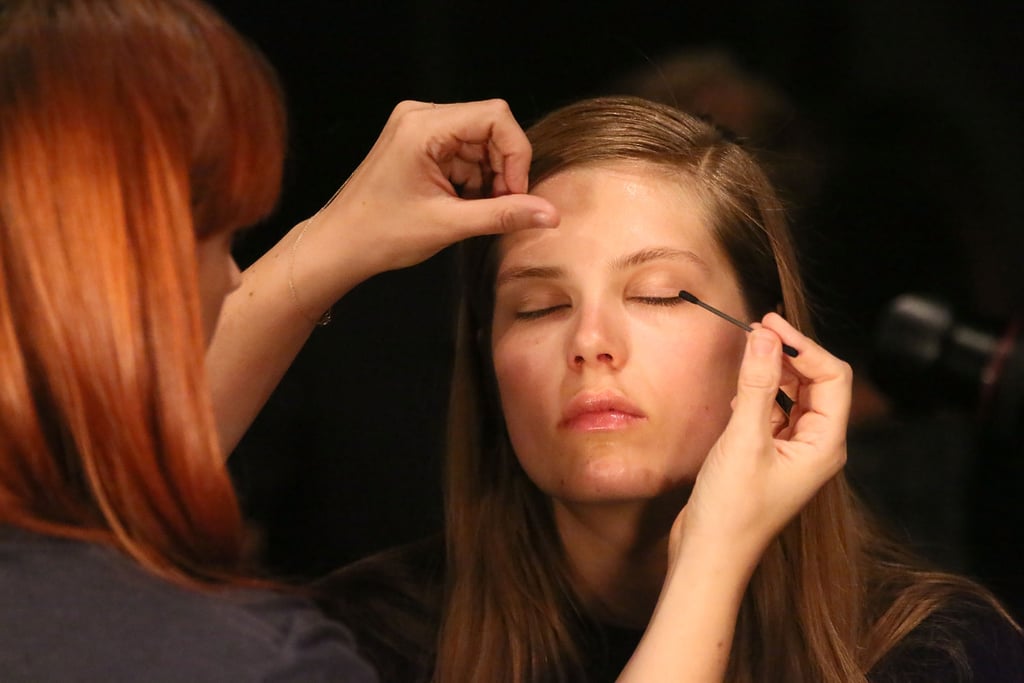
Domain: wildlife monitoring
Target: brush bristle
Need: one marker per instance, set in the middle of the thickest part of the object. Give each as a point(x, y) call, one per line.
point(686, 296)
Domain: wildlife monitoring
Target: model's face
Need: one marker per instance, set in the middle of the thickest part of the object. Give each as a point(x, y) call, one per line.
point(614, 389)
point(218, 276)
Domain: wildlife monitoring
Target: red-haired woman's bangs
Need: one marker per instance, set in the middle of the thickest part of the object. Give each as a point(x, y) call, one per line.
point(239, 153)
point(128, 128)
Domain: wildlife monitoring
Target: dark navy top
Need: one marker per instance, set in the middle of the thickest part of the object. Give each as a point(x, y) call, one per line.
point(72, 611)
point(392, 602)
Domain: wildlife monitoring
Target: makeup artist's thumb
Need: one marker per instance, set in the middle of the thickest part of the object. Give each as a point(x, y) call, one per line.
point(760, 374)
point(507, 213)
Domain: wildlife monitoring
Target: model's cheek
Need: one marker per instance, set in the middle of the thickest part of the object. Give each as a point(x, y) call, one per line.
point(521, 358)
point(522, 401)
point(728, 361)
point(528, 387)
point(519, 367)
point(693, 381)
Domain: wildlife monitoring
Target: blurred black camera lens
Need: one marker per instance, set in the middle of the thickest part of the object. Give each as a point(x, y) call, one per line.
point(926, 356)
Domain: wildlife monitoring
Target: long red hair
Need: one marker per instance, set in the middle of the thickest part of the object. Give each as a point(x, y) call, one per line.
point(128, 129)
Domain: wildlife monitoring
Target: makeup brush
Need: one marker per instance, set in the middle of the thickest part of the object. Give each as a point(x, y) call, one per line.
point(686, 296)
point(784, 401)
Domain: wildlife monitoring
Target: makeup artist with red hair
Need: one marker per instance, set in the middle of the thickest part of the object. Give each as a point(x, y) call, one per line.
point(136, 138)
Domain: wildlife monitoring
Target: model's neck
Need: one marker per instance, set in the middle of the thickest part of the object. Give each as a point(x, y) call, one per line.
point(618, 553)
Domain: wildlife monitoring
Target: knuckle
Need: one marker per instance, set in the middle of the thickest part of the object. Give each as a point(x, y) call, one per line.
point(404, 115)
point(499, 105)
point(845, 371)
point(508, 220)
point(404, 107)
point(404, 122)
point(759, 376)
point(401, 111)
point(758, 380)
point(838, 460)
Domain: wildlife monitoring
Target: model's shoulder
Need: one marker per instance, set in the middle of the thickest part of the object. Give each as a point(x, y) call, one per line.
point(392, 603)
point(418, 565)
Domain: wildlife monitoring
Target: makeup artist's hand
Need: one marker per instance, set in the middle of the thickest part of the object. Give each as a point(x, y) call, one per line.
point(437, 174)
point(759, 474)
point(408, 199)
point(764, 468)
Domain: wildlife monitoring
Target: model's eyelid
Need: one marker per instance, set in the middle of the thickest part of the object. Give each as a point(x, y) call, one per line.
point(539, 312)
point(660, 281)
point(532, 296)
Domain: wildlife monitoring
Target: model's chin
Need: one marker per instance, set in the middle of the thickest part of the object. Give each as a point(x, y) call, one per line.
point(617, 477)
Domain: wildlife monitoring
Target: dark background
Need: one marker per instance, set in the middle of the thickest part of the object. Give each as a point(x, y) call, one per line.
point(917, 105)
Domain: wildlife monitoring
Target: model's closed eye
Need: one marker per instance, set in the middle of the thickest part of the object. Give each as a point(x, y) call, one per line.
point(657, 282)
point(532, 300)
point(535, 313)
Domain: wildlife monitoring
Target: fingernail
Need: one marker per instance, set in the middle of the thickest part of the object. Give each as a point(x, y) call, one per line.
point(543, 219)
point(761, 345)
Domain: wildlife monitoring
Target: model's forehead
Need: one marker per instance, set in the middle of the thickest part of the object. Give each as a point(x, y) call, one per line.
point(624, 207)
point(632, 173)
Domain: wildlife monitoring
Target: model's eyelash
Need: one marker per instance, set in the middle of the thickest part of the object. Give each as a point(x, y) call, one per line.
point(649, 300)
point(658, 300)
point(539, 313)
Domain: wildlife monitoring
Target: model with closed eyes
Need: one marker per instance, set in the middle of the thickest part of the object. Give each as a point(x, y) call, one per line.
point(625, 498)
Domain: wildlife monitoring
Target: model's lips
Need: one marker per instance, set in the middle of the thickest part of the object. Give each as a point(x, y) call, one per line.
point(600, 412)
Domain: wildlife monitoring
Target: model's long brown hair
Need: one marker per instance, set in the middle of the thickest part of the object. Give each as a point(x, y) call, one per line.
point(830, 596)
point(128, 130)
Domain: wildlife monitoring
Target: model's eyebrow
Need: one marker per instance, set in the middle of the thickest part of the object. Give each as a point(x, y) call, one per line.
point(528, 273)
point(638, 258)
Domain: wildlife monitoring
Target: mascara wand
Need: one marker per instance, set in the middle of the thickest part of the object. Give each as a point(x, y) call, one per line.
point(686, 296)
point(784, 401)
